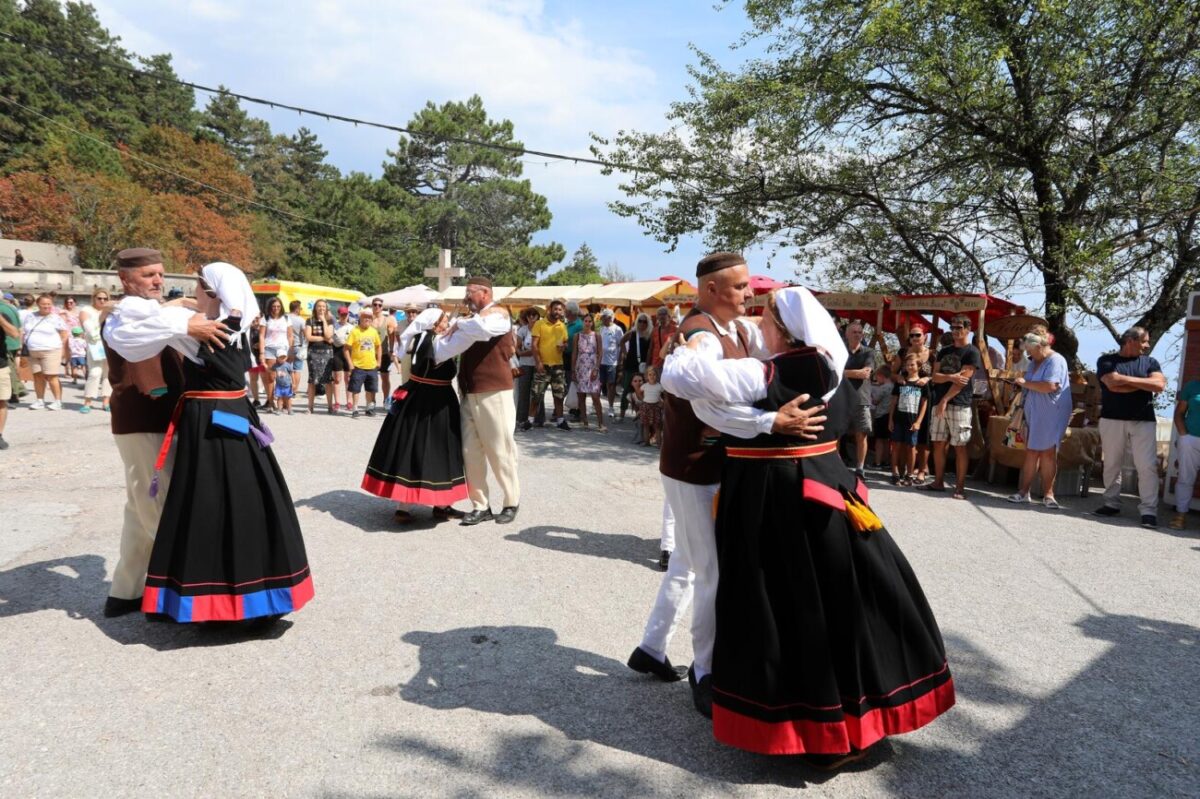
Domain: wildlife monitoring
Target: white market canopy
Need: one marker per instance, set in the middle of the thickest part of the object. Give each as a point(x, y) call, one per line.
point(419, 296)
point(642, 292)
point(455, 295)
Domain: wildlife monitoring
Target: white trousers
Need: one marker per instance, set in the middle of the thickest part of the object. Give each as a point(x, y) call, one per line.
point(142, 512)
point(1115, 436)
point(668, 528)
point(692, 570)
point(1187, 451)
point(487, 431)
point(97, 386)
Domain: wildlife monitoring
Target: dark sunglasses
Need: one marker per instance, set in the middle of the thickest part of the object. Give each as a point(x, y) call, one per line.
point(916, 335)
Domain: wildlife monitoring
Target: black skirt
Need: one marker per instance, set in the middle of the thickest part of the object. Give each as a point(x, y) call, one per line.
point(228, 546)
point(825, 642)
point(418, 456)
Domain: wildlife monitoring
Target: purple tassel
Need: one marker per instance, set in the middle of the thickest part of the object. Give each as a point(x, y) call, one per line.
point(154, 487)
point(263, 436)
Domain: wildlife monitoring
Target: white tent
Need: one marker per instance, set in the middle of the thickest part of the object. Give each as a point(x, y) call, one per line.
point(419, 296)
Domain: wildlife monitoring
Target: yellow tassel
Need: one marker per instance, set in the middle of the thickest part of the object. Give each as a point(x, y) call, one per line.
point(861, 517)
point(716, 502)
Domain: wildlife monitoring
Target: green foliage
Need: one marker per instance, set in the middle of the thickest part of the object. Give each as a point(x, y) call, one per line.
point(353, 230)
point(469, 198)
point(949, 146)
point(583, 269)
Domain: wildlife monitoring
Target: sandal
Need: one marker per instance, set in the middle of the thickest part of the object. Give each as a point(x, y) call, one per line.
point(958, 495)
point(1051, 503)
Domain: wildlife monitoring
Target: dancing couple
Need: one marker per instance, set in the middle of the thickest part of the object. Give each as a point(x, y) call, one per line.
point(810, 630)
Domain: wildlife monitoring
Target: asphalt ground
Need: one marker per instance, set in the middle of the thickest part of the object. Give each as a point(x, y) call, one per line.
point(437, 660)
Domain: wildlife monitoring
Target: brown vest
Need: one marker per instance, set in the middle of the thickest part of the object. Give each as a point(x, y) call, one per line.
point(689, 453)
point(485, 365)
point(132, 410)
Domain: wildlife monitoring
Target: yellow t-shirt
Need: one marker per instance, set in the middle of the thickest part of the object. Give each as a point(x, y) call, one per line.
point(549, 335)
point(364, 346)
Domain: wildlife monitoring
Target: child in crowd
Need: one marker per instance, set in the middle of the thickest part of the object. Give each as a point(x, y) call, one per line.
point(283, 384)
point(881, 406)
point(78, 346)
point(910, 403)
point(635, 399)
point(650, 412)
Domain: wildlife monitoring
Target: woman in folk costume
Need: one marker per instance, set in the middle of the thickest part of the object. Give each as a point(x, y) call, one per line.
point(418, 457)
point(228, 546)
point(825, 643)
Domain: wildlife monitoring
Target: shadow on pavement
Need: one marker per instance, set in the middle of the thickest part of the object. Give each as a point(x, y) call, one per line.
point(614, 546)
point(588, 445)
point(369, 513)
point(523, 671)
point(77, 586)
point(1123, 726)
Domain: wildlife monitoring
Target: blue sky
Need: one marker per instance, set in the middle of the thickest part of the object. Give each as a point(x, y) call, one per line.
point(559, 70)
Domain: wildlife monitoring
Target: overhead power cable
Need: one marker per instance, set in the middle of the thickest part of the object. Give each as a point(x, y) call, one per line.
point(327, 115)
point(171, 172)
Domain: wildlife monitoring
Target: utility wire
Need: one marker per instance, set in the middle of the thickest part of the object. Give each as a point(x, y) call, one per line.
point(171, 172)
point(329, 116)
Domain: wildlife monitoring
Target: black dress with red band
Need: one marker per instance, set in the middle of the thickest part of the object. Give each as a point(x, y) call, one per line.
point(418, 457)
point(228, 546)
point(825, 642)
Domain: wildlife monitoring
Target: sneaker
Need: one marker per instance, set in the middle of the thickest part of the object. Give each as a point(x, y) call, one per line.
point(370, 410)
point(354, 413)
point(1179, 522)
point(55, 405)
point(1020, 499)
point(336, 407)
point(1051, 503)
point(563, 425)
point(1149, 522)
point(37, 405)
point(1106, 510)
point(86, 409)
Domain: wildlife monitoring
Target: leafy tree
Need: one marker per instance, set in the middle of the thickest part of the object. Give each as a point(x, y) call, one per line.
point(956, 146)
point(583, 269)
point(470, 198)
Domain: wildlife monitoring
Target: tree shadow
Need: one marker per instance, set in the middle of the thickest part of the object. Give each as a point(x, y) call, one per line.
point(614, 546)
point(370, 513)
point(77, 586)
point(1123, 726)
point(523, 671)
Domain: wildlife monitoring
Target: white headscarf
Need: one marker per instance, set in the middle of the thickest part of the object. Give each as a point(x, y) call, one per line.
point(233, 290)
point(807, 320)
point(425, 320)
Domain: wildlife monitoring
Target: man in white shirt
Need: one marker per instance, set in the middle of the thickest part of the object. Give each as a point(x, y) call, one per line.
point(485, 380)
point(690, 466)
point(610, 356)
point(135, 334)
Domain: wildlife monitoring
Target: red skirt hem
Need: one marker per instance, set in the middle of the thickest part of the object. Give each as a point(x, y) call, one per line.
point(414, 496)
point(803, 736)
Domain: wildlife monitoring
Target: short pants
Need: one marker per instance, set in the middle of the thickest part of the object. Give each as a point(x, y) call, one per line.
point(860, 419)
point(953, 426)
point(46, 362)
point(275, 353)
point(5, 384)
point(364, 378)
point(555, 377)
point(608, 375)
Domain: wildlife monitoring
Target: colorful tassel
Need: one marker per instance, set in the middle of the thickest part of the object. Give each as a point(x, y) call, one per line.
point(262, 436)
point(860, 515)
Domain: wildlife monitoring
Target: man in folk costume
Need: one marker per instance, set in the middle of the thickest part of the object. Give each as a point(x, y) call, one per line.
point(146, 382)
point(485, 381)
point(690, 467)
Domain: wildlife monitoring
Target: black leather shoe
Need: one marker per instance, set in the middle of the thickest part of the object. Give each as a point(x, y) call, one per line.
point(526, 426)
point(664, 560)
point(507, 514)
point(701, 692)
point(114, 607)
point(448, 512)
point(644, 663)
point(477, 516)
